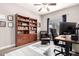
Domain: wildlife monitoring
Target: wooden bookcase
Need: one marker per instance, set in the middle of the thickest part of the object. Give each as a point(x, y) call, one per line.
point(26, 30)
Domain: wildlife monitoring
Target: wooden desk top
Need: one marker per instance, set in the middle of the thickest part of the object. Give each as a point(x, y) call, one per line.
point(62, 38)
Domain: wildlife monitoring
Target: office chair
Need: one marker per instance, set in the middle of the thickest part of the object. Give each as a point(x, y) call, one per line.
point(56, 42)
point(44, 37)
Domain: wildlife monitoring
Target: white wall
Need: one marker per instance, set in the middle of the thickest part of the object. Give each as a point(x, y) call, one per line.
point(72, 16)
point(7, 35)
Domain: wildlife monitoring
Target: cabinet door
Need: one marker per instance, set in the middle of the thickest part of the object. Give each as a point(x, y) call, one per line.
point(33, 37)
point(20, 42)
point(27, 38)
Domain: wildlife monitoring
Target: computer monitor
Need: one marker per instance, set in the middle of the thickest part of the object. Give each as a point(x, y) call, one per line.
point(67, 28)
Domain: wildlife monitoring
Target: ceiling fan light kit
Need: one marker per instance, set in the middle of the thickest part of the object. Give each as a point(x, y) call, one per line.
point(45, 5)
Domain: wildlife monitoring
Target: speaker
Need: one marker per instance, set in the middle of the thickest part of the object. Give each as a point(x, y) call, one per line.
point(48, 25)
point(64, 18)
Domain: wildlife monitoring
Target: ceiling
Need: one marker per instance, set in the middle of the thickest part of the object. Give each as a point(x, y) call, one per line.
point(34, 9)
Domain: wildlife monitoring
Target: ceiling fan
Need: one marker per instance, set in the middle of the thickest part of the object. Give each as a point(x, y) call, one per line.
point(45, 5)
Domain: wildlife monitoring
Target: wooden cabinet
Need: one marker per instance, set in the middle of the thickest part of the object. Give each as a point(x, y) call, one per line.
point(25, 38)
point(26, 30)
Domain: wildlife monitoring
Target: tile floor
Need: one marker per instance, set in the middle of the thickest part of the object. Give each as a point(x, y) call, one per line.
point(2, 52)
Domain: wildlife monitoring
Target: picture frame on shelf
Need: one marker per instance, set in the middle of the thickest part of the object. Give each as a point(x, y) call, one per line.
point(2, 23)
point(10, 17)
point(10, 24)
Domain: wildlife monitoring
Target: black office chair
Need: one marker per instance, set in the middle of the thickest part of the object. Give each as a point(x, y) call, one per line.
point(44, 37)
point(56, 42)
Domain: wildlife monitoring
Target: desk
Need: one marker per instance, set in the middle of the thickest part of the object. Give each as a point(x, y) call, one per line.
point(61, 38)
point(67, 41)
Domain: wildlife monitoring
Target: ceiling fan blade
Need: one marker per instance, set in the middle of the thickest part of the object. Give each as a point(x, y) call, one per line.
point(40, 9)
point(48, 9)
point(51, 4)
point(37, 4)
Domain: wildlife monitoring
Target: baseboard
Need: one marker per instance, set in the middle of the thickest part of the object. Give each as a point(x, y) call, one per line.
point(8, 46)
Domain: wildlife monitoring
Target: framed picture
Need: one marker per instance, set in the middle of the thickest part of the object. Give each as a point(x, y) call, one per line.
point(10, 24)
point(2, 24)
point(10, 17)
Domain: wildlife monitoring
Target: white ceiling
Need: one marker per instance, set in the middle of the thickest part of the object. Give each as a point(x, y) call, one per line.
point(34, 9)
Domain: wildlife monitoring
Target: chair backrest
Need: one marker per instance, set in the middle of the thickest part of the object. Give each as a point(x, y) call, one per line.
point(44, 34)
point(54, 34)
